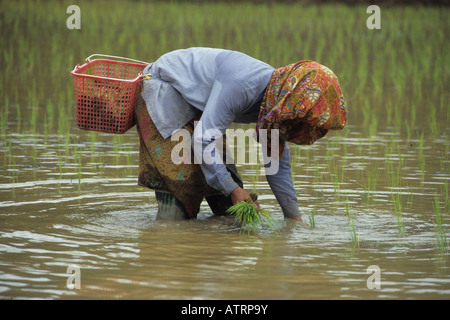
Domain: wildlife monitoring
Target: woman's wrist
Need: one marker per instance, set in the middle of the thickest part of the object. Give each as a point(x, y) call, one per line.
point(239, 195)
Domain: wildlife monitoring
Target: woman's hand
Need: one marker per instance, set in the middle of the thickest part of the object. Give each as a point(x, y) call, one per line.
point(239, 195)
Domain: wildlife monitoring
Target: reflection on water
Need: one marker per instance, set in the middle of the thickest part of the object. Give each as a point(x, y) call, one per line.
point(77, 203)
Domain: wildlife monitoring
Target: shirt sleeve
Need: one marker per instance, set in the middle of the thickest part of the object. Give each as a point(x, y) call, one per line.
point(282, 185)
point(222, 107)
point(216, 118)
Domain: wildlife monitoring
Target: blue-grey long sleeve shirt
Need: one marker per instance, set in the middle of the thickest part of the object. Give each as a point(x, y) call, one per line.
point(226, 86)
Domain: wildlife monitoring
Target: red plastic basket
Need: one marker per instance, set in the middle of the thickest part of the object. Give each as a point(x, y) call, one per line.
point(106, 92)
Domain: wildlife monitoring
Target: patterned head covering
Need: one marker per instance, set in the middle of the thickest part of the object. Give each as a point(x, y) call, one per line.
point(303, 101)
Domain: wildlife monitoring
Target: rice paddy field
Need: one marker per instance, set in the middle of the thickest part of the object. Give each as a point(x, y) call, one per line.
point(373, 194)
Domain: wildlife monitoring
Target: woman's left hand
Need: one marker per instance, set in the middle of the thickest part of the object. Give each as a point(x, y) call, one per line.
point(239, 195)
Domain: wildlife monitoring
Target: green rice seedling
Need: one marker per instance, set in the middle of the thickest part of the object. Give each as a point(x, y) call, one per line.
point(396, 198)
point(255, 176)
point(34, 154)
point(46, 130)
point(410, 195)
point(79, 171)
point(3, 121)
point(400, 155)
point(367, 113)
point(421, 143)
point(433, 121)
point(339, 171)
point(34, 117)
point(60, 166)
point(396, 177)
point(298, 150)
point(398, 116)
point(447, 144)
point(19, 118)
point(344, 145)
point(312, 217)
point(354, 234)
point(413, 112)
point(50, 114)
point(118, 143)
point(388, 111)
point(421, 155)
point(337, 176)
point(250, 216)
point(128, 154)
point(422, 167)
point(10, 152)
point(93, 135)
point(307, 157)
point(408, 130)
point(372, 178)
point(316, 171)
point(443, 104)
point(388, 161)
point(373, 125)
point(446, 193)
point(15, 173)
point(439, 230)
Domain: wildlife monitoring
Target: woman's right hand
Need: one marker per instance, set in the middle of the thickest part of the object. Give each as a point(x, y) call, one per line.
point(239, 195)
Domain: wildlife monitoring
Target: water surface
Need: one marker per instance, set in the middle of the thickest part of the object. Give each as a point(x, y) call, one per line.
point(91, 214)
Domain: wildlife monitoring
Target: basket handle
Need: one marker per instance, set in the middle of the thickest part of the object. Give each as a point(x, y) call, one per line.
point(88, 59)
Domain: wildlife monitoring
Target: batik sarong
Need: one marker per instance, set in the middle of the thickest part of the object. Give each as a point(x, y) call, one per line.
point(157, 170)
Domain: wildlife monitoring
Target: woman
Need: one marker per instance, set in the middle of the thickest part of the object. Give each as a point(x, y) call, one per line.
point(301, 102)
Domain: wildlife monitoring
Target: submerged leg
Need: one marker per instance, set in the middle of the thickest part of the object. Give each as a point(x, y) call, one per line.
point(219, 204)
point(169, 208)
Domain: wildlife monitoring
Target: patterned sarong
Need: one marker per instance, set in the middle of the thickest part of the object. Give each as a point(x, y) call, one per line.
point(303, 101)
point(157, 170)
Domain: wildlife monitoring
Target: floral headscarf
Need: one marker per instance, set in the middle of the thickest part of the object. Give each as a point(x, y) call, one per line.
point(303, 101)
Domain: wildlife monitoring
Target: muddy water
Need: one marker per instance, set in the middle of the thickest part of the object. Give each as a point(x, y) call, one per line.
point(72, 200)
point(69, 199)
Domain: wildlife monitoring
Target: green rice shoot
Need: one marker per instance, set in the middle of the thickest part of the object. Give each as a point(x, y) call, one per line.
point(251, 216)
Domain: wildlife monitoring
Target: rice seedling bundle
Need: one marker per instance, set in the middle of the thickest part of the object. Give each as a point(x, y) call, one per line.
point(250, 216)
